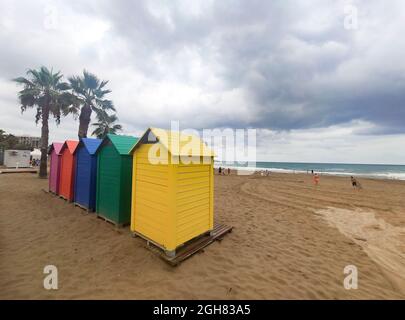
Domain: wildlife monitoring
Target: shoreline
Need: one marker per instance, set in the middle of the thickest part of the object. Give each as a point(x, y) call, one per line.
point(250, 171)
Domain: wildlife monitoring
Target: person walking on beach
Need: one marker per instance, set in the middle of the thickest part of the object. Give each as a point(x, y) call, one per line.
point(229, 171)
point(355, 183)
point(219, 170)
point(316, 179)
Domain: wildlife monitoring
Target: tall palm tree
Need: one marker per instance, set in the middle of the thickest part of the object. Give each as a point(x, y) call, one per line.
point(89, 92)
point(44, 90)
point(106, 124)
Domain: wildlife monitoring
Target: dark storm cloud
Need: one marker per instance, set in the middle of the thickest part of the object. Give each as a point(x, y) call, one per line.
point(292, 63)
point(279, 52)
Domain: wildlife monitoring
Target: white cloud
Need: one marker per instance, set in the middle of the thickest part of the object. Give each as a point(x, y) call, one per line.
point(316, 91)
point(336, 144)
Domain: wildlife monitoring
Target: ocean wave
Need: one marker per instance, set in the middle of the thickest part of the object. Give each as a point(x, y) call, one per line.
point(377, 175)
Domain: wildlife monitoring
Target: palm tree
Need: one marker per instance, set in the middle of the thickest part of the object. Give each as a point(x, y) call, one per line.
point(89, 92)
point(45, 91)
point(106, 124)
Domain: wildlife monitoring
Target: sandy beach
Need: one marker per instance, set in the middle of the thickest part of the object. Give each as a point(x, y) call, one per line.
point(291, 240)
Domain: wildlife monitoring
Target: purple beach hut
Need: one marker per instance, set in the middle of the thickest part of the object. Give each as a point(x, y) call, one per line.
point(54, 155)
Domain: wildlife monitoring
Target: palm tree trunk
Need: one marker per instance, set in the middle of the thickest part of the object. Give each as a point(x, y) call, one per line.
point(43, 167)
point(84, 119)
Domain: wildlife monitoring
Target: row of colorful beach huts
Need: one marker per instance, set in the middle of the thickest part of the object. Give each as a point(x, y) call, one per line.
point(125, 182)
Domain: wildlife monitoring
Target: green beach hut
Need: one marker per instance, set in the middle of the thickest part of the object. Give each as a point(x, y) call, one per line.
point(114, 179)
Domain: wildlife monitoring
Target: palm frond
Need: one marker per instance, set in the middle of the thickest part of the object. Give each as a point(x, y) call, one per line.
point(103, 84)
point(90, 91)
point(106, 124)
point(24, 81)
point(105, 104)
point(90, 80)
point(36, 78)
point(43, 88)
point(62, 86)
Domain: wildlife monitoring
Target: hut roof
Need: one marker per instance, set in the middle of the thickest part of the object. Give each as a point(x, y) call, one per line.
point(71, 145)
point(177, 143)
point(122, 144)
point(57, 146)
point(91, 144)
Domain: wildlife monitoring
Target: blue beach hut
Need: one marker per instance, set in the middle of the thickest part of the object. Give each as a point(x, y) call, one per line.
point(86, 173)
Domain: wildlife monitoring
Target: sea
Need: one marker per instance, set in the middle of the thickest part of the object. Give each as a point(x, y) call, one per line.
point(382, 171)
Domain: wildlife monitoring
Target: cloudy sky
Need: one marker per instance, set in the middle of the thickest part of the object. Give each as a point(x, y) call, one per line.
point(321, 81)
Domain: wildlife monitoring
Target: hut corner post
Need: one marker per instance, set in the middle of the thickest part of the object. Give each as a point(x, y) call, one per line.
point(171, 241)
point(133, 194)
point(75, 179)
point(96, 207)
point(212, 196)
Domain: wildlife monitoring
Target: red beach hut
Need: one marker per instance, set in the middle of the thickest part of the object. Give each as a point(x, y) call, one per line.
point(54, 155)
point(67, 169)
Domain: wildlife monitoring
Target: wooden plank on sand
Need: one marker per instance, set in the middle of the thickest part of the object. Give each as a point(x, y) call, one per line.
point(193, 246)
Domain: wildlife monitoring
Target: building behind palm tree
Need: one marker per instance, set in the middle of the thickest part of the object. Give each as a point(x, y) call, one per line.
point(27, 140)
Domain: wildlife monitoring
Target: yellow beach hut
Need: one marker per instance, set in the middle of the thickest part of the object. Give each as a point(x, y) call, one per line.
point(172, 188)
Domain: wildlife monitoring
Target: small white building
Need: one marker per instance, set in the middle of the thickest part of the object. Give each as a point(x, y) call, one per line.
point(17, 158)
